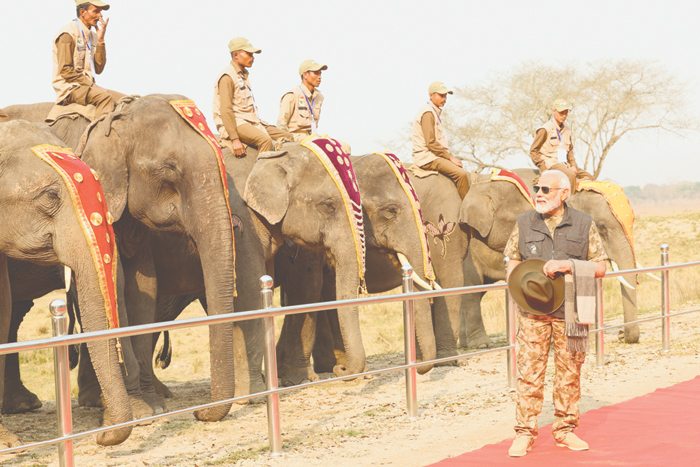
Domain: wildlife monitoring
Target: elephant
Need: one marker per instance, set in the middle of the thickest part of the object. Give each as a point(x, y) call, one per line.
point(41, 225)
point(489, 210)
point(393, 238)
point(159, 181)
point(274, 196)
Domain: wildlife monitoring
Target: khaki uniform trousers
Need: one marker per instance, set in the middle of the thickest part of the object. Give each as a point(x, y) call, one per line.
point(535, 335)
point(3, 116)
point(253, 136)
point(573, 177)
point(104, 100)
point(455, 173)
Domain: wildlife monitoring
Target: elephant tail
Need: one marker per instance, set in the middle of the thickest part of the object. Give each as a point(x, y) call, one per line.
point(165, 353)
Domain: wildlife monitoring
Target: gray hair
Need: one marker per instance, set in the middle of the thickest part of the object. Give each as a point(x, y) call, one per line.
point(564, 181)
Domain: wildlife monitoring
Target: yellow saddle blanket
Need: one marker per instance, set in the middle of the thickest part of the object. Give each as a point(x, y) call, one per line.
point(618, 202)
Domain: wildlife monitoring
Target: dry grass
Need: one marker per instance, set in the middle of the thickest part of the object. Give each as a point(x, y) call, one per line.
point(382, 325)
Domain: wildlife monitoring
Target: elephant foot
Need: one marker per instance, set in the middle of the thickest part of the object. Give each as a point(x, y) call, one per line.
point(161, 389)
point(19, 400)
point(90, 397)
point(155, 402)
point(140, 410)
point(479, 340)
point(631, 334)
point(8, 439)
point(291, 376)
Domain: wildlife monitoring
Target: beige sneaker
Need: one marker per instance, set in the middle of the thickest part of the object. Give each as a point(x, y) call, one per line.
point(573, 442)
point(520, 446)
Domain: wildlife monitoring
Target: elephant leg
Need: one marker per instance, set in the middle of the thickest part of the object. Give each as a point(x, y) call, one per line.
point(324, 356)
point(7, 439)
point(336, 337)
point(140, 290)
point(301, 332)
point(17, 398)
point(472, 330)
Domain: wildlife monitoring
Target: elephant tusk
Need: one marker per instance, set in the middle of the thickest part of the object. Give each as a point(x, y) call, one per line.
point(67, 272)
point(417, 280)
point(653, 276)
point(620, 278)
point(436, 286)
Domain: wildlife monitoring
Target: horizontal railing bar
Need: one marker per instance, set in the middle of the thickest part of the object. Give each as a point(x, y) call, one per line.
point(614, 326)
point(95, 431)
point(651, 269)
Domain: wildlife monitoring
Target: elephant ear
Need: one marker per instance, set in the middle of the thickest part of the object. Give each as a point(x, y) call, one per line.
point(267, 190)
point(105, 153)
point(477, 212)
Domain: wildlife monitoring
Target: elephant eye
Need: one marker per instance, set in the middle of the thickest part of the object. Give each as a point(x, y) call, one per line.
point(327, 207)
point(49, 201)
point(390, 212)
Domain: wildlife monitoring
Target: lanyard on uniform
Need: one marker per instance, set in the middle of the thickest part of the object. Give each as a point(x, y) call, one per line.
point(311, 110)
point(561, 152)
point(88, 41)
point(556, 127)
point(255, 107)
point(436, 111)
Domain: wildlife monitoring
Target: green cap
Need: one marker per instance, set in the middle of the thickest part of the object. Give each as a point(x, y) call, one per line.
point(98, 3)
point(241, 43)
point(311, 65)
point(439, 87)
point(561, 105)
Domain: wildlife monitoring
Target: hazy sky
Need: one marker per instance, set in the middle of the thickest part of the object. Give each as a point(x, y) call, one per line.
point(382, 55)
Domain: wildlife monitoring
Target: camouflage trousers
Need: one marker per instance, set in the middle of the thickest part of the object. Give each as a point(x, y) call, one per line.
point(535, 336)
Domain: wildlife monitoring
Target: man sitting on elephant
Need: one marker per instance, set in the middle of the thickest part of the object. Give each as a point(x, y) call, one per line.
point(235, 113)
point(78, 52)
point(553, 148)
point(300, 108)
point(555, 233)
point(430, 150)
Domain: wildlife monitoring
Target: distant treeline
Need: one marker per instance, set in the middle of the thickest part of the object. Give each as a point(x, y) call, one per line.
point(651, 192)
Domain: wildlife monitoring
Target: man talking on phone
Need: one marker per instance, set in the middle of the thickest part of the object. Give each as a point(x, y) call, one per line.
point(79, 53)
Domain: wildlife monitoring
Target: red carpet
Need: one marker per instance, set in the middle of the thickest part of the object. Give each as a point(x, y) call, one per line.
point(657, 429)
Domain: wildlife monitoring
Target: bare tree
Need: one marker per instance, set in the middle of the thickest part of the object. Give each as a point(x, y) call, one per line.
point(489, 122)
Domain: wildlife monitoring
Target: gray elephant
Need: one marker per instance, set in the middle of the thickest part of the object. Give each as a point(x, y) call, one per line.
point(393, 237)
point(280, 195)
point(40, 224)
point(489, 210)
point(165, 180)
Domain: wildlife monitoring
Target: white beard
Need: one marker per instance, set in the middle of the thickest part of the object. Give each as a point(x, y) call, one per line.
point(547, 207)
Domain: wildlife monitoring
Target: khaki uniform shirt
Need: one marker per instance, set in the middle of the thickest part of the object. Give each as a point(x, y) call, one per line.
point(234, 103)
point(72, 64)
point(295, 115)
point(596, 252)
point(422, 153)
point(545, 149)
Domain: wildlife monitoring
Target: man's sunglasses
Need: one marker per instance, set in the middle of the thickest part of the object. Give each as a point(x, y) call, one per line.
point(545, 189)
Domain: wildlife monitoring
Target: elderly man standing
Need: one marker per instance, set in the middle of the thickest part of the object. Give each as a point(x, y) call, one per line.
point(430, 150)
point(553, 148)
point(555, 234)
point(235, 113)
point(78, 53)
point(300, 108)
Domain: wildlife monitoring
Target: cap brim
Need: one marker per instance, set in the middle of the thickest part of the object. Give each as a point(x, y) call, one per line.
point(562, 108)
point(104, 6)
point(516, 291)
point(251, 50)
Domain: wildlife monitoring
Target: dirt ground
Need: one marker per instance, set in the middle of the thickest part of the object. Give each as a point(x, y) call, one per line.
point(364, 423)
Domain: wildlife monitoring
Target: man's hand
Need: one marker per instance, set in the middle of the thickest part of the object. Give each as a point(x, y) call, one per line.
point(455, 161)
point(238, 148)
point(101, 31)
point(553, 266)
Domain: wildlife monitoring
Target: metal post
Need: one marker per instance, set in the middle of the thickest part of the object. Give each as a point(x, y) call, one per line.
point(409, 342)
point(511, 329)
point(59, 325)
point(599, 323)
point(273, 400)
point(665, 301)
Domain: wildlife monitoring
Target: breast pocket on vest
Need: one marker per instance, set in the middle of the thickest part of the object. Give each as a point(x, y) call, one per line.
point(533, 245)
point(576, 246)
point(80, 58)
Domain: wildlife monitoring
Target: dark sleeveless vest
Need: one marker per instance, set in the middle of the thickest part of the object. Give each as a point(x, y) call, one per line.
point(570, 238)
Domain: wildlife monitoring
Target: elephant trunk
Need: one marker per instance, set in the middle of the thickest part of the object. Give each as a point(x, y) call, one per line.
point(103, 354)
point(620, 251)
point(347, 283)
point(212, 234)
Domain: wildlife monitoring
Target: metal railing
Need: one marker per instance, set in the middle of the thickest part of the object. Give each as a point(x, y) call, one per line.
point(60, 343)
